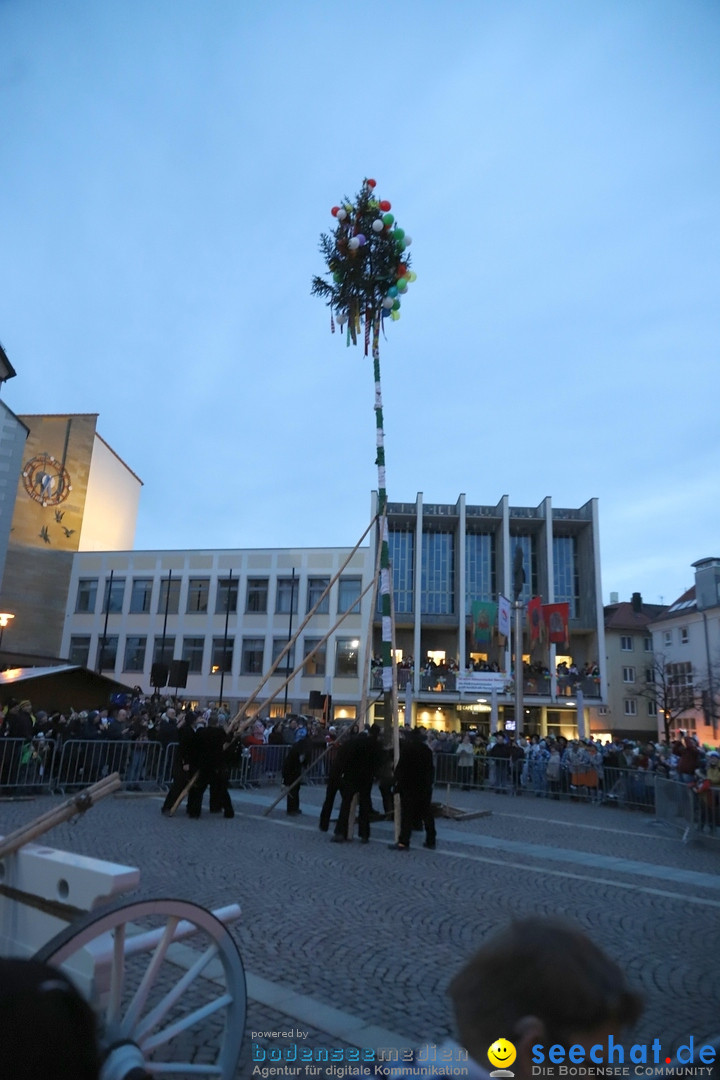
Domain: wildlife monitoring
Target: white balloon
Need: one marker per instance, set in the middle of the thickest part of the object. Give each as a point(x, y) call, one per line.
point(341, 214)
point(388, 302)
point(354, 243)
point(378, 224)
point(408, 239)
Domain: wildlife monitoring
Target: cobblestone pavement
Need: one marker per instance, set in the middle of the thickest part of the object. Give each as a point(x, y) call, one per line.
point(360, 932)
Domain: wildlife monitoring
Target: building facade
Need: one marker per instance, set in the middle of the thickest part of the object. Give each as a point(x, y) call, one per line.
point(686, 649)
point(631, 709)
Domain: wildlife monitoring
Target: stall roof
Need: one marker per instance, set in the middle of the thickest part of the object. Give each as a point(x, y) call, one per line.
point(60, 687)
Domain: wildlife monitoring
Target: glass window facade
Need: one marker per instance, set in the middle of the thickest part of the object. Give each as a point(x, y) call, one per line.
point(222, 655)
point(401, 547)
point(346, 657)
point(567, 578)
point(114, 593)
point(253, 650)
point(349, 589)
point(316, 586)
point(163, 655)
point(286, 598)
point(135, 647)
point(257, 596)
point(438, 573)
point(86, 595)
point(287, 662)
point(79, 651)
point(107, 652)
point(140, 599)
point(316, 664)
point(227, 595)
point(479, 568)
point(198, 593)
point(192, 651)
point(169, 598)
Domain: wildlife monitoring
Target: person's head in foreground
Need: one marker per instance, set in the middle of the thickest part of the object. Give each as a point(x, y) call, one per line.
point(47, 1030)
point(539, 981)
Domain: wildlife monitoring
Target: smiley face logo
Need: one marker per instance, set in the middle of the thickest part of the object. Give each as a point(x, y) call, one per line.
point(501, 1054)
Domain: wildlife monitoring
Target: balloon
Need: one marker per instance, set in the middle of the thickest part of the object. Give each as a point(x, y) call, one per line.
point(402, 285)
point(361, 239)
point(370, 183)
point(398, 235)
point(349, 207)
point(337, 276)
point(395, 315)
point(373, 204)
point(388, 302)
point(353, 243)
point(387, 218)
point(396, 305)
point(385, 205)
point(408, 240)
point(402, 269)
point(393, 290)
point(412, 276)
point(378, 225)
point(341, 214)
point(334, 211)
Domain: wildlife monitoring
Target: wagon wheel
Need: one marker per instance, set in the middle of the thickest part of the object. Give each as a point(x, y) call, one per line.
point(167, 983)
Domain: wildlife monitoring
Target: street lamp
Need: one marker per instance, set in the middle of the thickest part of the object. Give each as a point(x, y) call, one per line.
point(5, 618)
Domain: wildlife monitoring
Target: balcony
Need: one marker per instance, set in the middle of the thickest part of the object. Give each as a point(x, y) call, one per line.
point(534, 686)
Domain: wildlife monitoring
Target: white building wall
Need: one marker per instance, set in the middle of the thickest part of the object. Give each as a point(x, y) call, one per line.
point(111, 502)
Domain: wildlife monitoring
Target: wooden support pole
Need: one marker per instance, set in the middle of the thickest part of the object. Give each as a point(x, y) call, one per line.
point(78, 804)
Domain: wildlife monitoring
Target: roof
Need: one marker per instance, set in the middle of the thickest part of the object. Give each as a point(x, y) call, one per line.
point(624, 616)
point(685, 605)
point(60, 687)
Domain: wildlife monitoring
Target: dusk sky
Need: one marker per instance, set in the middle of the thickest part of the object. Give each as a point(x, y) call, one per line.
point(169, 165)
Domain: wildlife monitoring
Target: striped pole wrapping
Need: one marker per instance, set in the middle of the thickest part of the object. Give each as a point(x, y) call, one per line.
point(386, 649)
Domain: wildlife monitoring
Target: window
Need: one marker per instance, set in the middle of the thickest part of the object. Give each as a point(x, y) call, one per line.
point(680, 689)
point(626, 644)
point(401, 545)
point(163, 654)
point(630, 707)
point(479, 568)
point(437, 579)
point(288, 662)
point(169, 598)
point(86, 595)
point(222, 655)
point(346, 657)
point(79, 651)
point(134, 653)
point(349, 589)
point(647, 644)
point(192, 651)
point(315, 588)
point(114, 593)
point(316, 664)
point(667, 638)
point(198, 593)
point(107, 653)
point(628, 674)
point(649, 675)
point(652, 708)
point(286, 598)
point(684, 635)
point(253, 651)
point(567, 572)
point(257, 596)
point(140, 597)
point(227, 595)
point(528, 543)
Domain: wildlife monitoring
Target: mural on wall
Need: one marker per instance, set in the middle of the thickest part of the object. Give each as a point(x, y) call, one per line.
point(53, 482)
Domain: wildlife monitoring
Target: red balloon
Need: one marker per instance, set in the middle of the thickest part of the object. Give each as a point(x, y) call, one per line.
point(334, 211)
point(385, 205)
point(370, 183)
point(401, 269)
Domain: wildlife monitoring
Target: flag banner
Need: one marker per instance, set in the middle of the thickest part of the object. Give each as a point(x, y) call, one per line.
point(504, 616)
point(535, 620)
point(556, 618)
point(484, 617)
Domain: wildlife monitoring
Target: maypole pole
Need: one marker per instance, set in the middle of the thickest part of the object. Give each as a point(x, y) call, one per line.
point(369, 272)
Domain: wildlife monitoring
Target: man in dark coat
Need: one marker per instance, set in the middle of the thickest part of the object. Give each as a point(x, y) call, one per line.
point(296, 759)
point(414, 776)
point(182, 760)
point(361, 765)
point(209, 762)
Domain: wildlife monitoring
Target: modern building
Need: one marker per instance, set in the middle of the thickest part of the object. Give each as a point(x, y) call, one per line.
point(73, 493)
point(686, 649)
point(447, 557)
point(631, 709)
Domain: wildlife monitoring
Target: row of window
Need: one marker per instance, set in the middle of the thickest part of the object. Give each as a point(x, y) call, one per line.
point(197, 597)
point(627, 642)
point(220, 655)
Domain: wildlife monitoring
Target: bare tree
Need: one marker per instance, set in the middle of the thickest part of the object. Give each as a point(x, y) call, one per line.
point(672, 687)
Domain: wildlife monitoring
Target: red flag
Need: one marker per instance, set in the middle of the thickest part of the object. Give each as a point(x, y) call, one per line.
point(535, 620)
point(556, 618)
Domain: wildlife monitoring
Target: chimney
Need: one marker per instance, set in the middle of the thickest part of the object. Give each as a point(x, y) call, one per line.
point(614, 597)
point(637, 603)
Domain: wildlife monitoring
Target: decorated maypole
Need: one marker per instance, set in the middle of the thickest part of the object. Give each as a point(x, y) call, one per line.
point(368, 273)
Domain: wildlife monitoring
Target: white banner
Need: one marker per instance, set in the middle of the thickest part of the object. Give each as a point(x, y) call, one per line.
point(504, 616)
point(481, 682)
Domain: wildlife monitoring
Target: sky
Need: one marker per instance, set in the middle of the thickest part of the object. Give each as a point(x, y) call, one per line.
point(169, 166)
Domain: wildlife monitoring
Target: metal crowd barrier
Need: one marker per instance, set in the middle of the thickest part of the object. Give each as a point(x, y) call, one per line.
point(85, 761)
point(674, 805)
point(26, 767)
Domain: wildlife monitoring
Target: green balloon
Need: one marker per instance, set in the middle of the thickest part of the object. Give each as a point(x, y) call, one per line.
point(337, 277)
point(396, 305)
point(402, 285)
point(388, 219)
point(399, 235)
